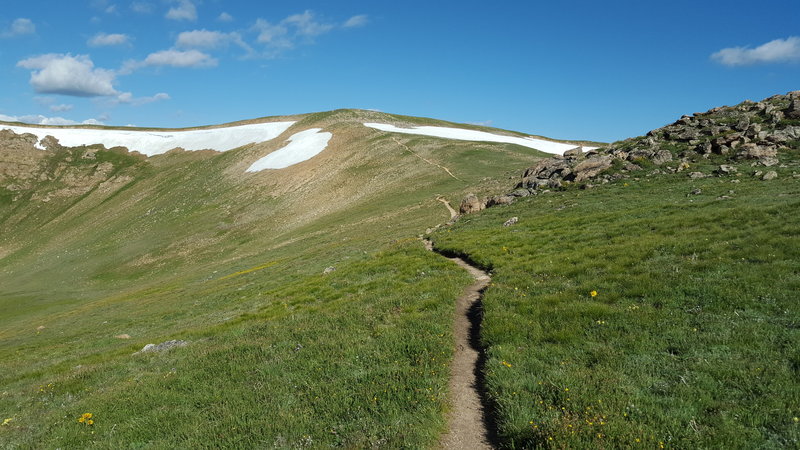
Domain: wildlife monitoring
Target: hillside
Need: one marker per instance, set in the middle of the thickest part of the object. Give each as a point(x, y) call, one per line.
point(107, 250)
point(642, 293)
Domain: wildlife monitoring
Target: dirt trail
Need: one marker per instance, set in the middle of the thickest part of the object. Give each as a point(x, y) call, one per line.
point(397, 141)
point(468, 419)
point(453, 212)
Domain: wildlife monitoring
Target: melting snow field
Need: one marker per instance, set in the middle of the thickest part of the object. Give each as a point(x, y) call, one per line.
point(479, 136)
point(302, 146)
point(152, 143)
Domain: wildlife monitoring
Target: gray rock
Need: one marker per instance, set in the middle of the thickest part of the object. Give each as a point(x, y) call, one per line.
point(162, 347)
point(661, 157)
point(511, 221)
point(520, 193)
point(793, 111)
point(574, 153)
point(696, 175)
point(725, 169)
point(771, 175)
point(591, 167)
point(328, 270)
point(471, 204)
point(500, 200)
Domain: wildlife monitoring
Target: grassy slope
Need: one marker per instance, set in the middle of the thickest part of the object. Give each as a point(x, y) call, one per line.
point(692, 339)
point(189, 248)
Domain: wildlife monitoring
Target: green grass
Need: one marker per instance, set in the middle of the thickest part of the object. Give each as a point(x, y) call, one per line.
point(692, 340)
point(190, 248)
point(280, 355)
point(357, 358)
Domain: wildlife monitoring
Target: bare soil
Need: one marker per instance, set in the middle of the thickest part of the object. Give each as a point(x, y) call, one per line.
point(468, 420)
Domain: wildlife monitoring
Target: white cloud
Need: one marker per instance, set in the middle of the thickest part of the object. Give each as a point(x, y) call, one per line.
point(206, 39)
point(69, 75)
point(178, 58)
point(356, 21)
point(185, 10)
point(19, 27)
point(172, 58)
point(103, 39)
point(777, 51)
point(142, 7)
point(225, 17)
point(39, 119)
point(288, 31)
point(202, 39)
point(306, 25)
point(272, 35)
point(128, 98)
point(61, 108)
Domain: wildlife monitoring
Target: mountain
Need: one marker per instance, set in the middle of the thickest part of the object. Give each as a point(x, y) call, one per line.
point(157, 244)
point(277, 293)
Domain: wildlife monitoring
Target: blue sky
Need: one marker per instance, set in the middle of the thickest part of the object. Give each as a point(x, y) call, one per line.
point(570, 69)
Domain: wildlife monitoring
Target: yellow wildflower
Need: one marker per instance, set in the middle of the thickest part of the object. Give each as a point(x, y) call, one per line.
point(7, 421)
point(593, 293)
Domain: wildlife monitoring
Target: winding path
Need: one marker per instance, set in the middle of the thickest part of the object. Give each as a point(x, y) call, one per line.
point(467, 427)
point(453, 212)
point(397, 141)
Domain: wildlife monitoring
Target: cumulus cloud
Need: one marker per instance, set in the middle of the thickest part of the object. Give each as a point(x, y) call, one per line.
point(776, 51)
point(225, 17)
point(171, 58)
point(184, 10)
point(356, 21)
point(103, 39)
point(19, 27)
point(39, 119)
point(69, 75)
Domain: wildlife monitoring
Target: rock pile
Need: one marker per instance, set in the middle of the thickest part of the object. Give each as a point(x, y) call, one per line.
point(751, 133)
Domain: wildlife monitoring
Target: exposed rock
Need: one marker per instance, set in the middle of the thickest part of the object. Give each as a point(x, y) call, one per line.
point(511, 221)
point(725, 169)
point(520, 193)
point(725, 136)
point(696, 191)
point(162, 347)
point(328, 270)
point(771, 175)
point(661, 157)
point(500, 200)
point(793, 111)
point(576, 153)
point(591, 167)
point(471, 204)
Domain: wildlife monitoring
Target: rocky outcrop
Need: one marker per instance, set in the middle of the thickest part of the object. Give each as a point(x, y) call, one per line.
point(752, 133)
point(32, 174)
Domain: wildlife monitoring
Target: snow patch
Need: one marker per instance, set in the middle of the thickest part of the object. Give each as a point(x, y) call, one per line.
point(302, 147)
point(152, 143)
point(479, 136)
